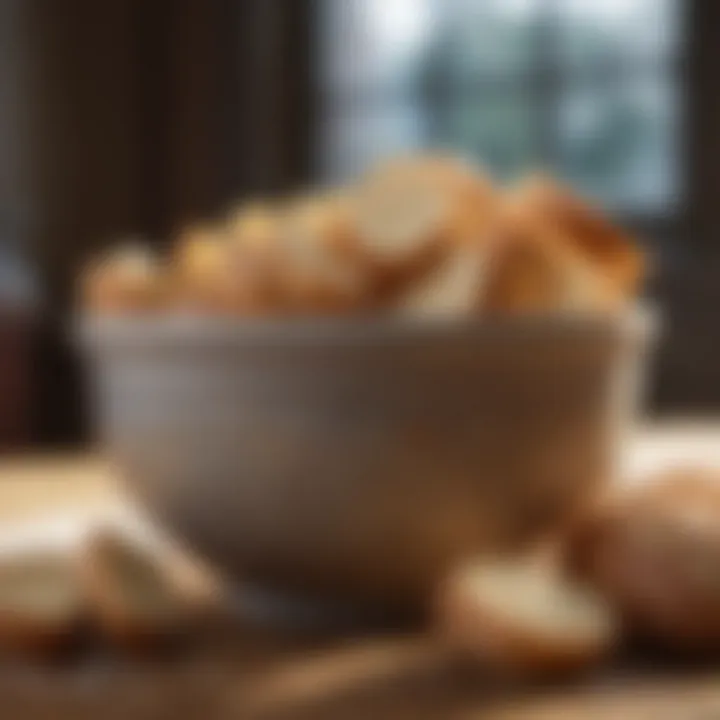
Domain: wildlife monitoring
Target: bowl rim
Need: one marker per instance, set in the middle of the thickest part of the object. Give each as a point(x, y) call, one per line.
point(639, 322)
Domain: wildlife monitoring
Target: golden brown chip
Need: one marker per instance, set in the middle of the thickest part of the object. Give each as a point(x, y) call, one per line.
point(533, 269)
point(317, 265)
point(127, 280)
point(453, 288)
point(411, 214)
point(211, 274)
point(255, 226)
point(614, 252)
point(407, 208)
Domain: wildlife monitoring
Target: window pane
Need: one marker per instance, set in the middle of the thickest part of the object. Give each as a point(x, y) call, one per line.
point(496, 127)
point(593, 34)
point(485, 39)
point(393, 46)
point(354, 136)
point(373, 46)
point(618, 142)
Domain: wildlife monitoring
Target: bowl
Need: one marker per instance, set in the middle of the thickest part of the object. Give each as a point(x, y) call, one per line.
point(359, 460)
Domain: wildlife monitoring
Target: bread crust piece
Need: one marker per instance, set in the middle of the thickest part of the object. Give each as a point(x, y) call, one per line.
point(495, 631)
point(317, 265)
point(128, 279)
point(654, 551)
point(254, 226)
point(28, 625)
point(534, 269)
point(130, 598)
point(453, 289)
point(211, 274)
point(411, 213)
point(471, 194)
point(613, 251)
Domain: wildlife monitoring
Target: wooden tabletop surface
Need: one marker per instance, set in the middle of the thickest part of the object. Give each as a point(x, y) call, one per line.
point(250, 672)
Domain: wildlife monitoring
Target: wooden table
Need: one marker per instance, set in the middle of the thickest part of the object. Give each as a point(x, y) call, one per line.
point(250, 672)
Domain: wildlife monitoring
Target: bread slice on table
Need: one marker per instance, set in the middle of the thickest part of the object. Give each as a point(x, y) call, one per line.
point(523, 617)
point(130, 596)
point(41, 604)
point(613, 251)
point(654, 551)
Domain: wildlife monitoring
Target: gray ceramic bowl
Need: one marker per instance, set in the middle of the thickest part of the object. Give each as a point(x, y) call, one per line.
point(359, 460)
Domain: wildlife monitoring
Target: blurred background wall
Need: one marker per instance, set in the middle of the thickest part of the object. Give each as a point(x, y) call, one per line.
point(132, 117)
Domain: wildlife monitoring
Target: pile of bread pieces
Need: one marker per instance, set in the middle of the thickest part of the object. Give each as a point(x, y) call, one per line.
point(430, 235)
point(642, 563)
point(110, 590)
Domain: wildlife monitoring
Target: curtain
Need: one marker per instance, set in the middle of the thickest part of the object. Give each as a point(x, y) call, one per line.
point(137, 117)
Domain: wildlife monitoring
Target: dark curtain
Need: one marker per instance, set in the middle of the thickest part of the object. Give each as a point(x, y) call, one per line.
point(140, 116)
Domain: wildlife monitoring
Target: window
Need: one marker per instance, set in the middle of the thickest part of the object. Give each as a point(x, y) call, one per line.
point(585, 88)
